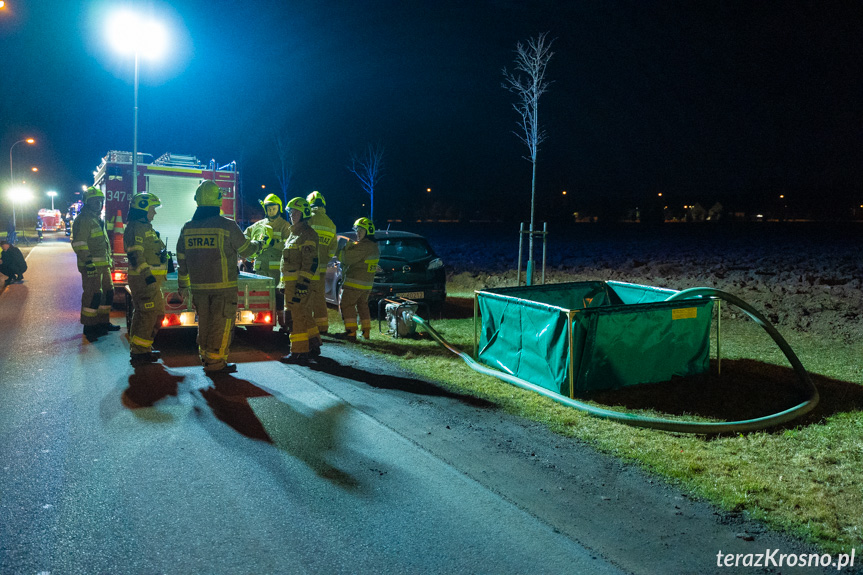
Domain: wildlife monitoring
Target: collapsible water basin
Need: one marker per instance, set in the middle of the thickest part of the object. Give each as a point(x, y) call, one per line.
point(584, 336)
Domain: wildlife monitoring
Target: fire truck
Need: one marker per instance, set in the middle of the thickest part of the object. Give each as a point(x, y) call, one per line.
point(174, 179)
point(52, 220)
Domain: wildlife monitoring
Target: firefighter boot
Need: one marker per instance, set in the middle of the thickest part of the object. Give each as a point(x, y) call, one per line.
point(92, 333)
point(104, 328)
point(139, 359)
point(296, 358)
point(315, 347)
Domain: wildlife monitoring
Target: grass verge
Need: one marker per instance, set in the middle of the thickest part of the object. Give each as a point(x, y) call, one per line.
point(803, 478)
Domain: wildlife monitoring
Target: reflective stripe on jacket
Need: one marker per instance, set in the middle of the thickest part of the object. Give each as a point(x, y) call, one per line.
point(269, 259)
point(90, 240)
point(359, 263)
point(300, 256)
point(326, 230)
point(207, 253)
point(143, 248)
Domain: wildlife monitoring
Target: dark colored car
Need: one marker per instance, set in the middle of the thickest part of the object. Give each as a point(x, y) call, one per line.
point(408, 268)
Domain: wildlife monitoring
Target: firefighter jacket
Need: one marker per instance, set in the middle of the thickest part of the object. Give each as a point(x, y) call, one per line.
point(207, 252)
point(326, 230)
point(90, 240)
point(359, 262)
point(268, 261)
point(300, 256)
point(145, 250)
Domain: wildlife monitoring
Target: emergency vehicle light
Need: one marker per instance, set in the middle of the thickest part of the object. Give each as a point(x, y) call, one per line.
point(187, 318)
point(170, 319)
point(263, 318)
point(119, 276)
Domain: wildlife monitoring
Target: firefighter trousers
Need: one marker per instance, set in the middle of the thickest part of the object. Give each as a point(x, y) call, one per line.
point(97, 297)
point(356, 302)
point(304, 332)
point(217, 315)
point(149, 310)
point(319, 305)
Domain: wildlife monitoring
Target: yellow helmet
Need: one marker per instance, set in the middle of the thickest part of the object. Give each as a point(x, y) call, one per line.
point(145, 200)
point(272, 199)
point(316, 200)
point(366, 224)
point(208, 194)
point(93, 193)
point(300, 205)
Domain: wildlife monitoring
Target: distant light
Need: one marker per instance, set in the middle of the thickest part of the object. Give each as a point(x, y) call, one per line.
point(263, 186)
point(659, 194)
point(30, 141)
point(564, 192)
point(428, 190)
point(781, 196)
point(84, 188)
point(130, 33)
point(20, 194)
point(34, 169)
point(2, 4)
point(685, 207)
point(52, 193)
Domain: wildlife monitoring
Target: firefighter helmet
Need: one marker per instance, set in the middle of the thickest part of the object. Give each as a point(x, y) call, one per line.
point(366, 224)
point(144, 201)
point(93, 193)
point(208, 194)
point(301, 206)
point(272, 199)
point(316, 200)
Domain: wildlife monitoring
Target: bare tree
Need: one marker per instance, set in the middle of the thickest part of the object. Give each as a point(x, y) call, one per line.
point(369, 168)
point(285, 169)
point(527, 81)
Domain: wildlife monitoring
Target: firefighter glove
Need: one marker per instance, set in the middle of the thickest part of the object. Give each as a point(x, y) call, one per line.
point(150, 280)
point(300, 292)
point(268, 238)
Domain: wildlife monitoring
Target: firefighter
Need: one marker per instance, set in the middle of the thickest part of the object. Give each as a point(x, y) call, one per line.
point(90, 243)
point(359, 262)
point(299, 264)
point(207, 253)
point(148, 268)
point(326, 230)
point(268, 261)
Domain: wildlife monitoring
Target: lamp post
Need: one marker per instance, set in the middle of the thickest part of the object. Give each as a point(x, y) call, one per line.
point(52, 194)
point(12, 179)
point(129, 32)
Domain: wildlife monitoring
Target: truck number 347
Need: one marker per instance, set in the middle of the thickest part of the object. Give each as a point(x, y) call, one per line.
point(115, 196)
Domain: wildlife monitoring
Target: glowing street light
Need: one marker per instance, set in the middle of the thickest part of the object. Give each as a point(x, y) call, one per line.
point(131, 33)
point(12, 181)
point(52, 194)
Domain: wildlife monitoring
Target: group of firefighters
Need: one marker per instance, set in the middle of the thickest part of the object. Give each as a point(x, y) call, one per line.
point(291, 244)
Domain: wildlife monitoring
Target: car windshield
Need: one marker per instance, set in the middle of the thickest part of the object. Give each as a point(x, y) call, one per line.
point(409, 249)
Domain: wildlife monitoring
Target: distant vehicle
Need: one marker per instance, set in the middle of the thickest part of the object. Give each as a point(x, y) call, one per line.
point(408, 268)
point(52, 220)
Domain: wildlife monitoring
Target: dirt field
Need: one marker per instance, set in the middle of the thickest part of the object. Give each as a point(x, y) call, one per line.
point(801, 276)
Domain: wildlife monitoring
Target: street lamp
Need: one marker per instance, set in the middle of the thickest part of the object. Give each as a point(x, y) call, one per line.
point(12, 180)
point(52, 194)
point(130, 32)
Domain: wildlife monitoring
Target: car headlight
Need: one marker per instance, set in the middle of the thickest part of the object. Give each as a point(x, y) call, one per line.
point(435, 264)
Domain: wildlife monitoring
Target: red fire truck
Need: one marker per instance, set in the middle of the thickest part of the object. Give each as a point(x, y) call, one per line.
point(174, 179)
point(52, 220)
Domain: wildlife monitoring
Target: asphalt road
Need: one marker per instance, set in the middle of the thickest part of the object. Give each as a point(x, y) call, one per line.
point(347, 467)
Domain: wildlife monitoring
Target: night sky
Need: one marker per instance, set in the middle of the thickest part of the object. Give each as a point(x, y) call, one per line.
point(735, 102)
